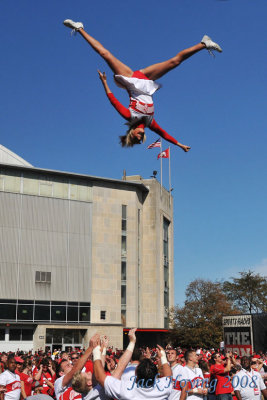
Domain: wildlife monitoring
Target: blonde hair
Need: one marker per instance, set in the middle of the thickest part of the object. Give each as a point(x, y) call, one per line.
point(79, 383)
point(127, 140)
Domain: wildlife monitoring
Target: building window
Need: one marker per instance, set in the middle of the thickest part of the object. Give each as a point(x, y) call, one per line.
point(48, 311)
point(20, 334)
point(123, 269)
point(166, 224)
point(123, 295)
point(8, 309)
point(2, 334)
point(58, 311)
point(25, 312)
point(42, 311)
point(123, 260)
point(102, 314)
point(42, 277)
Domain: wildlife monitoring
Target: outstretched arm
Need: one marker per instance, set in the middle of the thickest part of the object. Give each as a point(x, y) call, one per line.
point(127, 355)
point(123, 111)
point(156, 128)
point(81, 362)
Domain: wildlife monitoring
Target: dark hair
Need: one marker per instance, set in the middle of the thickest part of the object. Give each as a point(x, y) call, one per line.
point(27, 363)
point(187, 354)
point(213, 357)
point(146, 371)
point(137, 355)
point(45, 362)
point(59, 367)
point(11, 357)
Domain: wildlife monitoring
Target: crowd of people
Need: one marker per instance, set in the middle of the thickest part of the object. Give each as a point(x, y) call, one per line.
point(101, 373)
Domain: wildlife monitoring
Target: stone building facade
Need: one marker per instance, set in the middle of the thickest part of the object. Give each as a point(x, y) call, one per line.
point(81, 254)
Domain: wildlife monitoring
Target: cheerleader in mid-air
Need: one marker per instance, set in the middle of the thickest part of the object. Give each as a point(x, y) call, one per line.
point(140, 86)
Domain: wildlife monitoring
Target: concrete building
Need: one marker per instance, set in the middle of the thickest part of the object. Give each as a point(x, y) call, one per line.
point(81, 254)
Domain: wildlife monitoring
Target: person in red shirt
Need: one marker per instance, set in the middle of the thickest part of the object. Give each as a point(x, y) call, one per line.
point(220, 372)
point(19, 363)
point(140, 85)
point(26, 379)
point(45, 377)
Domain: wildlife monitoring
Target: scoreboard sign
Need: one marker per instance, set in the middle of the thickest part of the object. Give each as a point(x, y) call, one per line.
point(238, 335)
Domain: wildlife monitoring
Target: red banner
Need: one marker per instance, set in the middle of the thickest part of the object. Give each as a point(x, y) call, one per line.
point(240, 349)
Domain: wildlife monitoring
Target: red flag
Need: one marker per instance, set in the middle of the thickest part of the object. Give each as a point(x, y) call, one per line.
point(155, 144)
point(164, 154)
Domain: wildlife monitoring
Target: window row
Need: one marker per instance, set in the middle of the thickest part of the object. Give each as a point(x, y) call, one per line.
point(29, 310)
point(17, 334)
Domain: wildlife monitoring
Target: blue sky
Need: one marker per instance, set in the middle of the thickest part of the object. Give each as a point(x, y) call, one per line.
point(55, 115)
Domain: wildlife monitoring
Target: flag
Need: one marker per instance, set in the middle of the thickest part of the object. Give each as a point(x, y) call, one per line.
point(155, 144)
point(164, 154)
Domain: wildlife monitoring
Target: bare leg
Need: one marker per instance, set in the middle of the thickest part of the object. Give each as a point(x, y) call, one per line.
point(116, 65)
point(156, 71)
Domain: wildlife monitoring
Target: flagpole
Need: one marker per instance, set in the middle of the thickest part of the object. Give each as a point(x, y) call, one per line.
point(170, 186)
point(160, 168)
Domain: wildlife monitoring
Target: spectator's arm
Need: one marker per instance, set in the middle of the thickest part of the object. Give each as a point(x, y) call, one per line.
point(127, 355)
point(184, 392)
point(238, 395)
point(165, 367)
point(227, 368)
point(38, 375)
point(99, 371)
point(80, 363)
point(23, 394)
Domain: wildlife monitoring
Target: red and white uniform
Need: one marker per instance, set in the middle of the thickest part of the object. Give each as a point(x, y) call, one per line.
point(195, 379)
point(178, 375)
point(46, 376)
point(65, 392)
point(11, 381)
point(140, 90)
point(141, 108)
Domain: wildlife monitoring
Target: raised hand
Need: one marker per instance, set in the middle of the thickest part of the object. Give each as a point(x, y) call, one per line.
point(131, 335)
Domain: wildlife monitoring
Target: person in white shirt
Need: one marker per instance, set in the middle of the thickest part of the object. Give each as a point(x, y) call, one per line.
point(178, 374)
point(10, 382)
point(248, 383)
point(195, 387)
point(66, 371)
point(145, 385)
point(80, 381)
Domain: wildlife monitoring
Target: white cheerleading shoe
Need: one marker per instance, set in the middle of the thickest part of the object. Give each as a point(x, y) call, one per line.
point(75, 26)
point(210, 45)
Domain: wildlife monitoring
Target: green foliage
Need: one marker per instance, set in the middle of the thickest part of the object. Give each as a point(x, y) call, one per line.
point(199, 321)
point(248, 292)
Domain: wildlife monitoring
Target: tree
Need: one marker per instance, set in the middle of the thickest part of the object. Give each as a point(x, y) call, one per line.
point(248, 292)
point(199, 321)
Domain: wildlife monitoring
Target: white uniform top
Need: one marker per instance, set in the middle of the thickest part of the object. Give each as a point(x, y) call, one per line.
point(12, 382)
point(178, 374)
point(60, 390)
point(139, 89)
point(129, 373)
point(196, 380)
point(97, 393)
point(249, 384)
point(121, 390)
